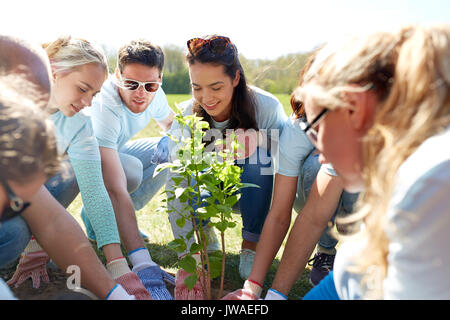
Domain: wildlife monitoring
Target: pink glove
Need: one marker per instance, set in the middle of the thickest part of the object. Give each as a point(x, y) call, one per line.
point(182, 292)
point(251, 291)
point(32, 264)
point(248, 141)
point(129, 280)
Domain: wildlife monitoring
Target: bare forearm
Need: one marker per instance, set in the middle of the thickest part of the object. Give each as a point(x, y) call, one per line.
point(269, 243)
point(126, 220)
point(64, 241)
point(299, 247)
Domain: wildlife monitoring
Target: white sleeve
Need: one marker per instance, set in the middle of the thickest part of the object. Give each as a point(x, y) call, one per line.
point(419, 259)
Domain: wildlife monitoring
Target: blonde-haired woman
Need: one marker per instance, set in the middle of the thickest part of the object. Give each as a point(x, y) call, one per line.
point(378, 109)
point(79, 69)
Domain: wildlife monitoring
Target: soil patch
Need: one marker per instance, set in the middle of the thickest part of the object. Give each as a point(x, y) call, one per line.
point(57, 289)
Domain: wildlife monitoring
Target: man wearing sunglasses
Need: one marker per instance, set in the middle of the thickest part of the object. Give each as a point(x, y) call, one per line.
point(127, 102)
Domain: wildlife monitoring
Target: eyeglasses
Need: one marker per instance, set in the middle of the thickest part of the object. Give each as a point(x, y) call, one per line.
point(216, 45)
point(308, 129)
point(16, 204)
point(132, 85)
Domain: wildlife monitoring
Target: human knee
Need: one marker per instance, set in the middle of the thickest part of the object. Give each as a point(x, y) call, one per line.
point(133, 170)
point(14, 237)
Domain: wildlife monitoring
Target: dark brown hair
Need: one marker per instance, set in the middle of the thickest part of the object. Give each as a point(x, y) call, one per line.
point(140, 51)
point(243, 102)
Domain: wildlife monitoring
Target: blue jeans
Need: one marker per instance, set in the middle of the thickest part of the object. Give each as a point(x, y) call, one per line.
point(306, 179)
point(254, 203)
point(139, 159)
point(139, 163)
point(14, 237)
point(15, 233)
point(136, 159)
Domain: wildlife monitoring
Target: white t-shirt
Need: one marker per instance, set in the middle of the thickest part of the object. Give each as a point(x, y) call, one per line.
point(418, 226)
point(114, 124)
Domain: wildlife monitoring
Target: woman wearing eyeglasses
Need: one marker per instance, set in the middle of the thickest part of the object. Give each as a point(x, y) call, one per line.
point(79, 69)
point(222, 97)
point(315, 192)
point(387, 105)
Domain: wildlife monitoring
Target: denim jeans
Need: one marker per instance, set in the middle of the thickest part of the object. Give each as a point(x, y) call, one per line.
point(14, 237)
point(307, 176)
point(138, 161)
point(15, 233)
point(254, 203)
point(136, 158)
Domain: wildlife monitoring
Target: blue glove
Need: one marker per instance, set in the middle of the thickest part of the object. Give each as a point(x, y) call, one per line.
point(152, 278)
point(162, 151)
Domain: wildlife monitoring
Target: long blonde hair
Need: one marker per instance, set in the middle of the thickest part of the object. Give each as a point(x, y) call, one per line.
point(66, 53)
point(413, 106)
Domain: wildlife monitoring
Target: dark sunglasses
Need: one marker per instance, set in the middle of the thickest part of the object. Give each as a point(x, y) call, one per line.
point(216, 45)
point(308, 129)
point(16, 204)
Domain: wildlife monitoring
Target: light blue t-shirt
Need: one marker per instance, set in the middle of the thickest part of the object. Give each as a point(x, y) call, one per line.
point(294, 148)
point(114, 124)
point(75, 136)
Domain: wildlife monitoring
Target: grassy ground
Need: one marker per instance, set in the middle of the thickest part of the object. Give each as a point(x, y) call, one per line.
point(155, 223)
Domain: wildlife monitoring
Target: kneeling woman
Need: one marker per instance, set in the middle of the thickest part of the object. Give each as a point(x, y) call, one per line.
point(222, 97)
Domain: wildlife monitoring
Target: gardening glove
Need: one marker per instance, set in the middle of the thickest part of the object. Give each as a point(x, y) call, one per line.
point(251, 291)
point(127, 279)
point(273, 294)
point(119, 293)
point(161, 154)
point(248, 141)
point(32, 264)
point(152, 278)
point(181, 291)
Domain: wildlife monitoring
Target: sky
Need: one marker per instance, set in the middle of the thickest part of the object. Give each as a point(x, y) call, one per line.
point(261, 29)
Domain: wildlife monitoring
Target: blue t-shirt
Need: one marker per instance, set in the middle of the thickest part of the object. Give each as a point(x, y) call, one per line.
point(114, 124)
point(75, 136)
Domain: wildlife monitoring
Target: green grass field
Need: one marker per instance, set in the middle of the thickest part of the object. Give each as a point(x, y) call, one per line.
point(155, 223)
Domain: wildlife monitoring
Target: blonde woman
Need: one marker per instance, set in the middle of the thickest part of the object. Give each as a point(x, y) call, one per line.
point(378, 109)
point(79, 69)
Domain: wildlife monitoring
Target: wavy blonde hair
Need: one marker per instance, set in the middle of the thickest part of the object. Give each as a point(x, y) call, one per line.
point(66, 53)
point(414, 104)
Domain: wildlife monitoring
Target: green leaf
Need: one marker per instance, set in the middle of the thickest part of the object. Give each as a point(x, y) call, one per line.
point(181, 222)
point(190, 281)
point(195, 247)
point(178, 245)
point(188, 264)
point(177, 180)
